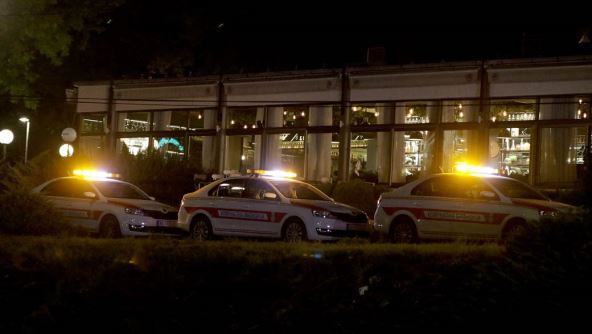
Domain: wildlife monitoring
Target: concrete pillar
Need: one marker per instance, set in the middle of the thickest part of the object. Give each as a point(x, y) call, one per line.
point(275, 118)
point(398, 174)
point(209, 142)
point(258, 141)
point(161, 120)
point(383, 143)
point(319, 144)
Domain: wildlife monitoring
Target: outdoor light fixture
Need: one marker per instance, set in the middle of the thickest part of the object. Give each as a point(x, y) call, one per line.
point(6, 137)
point(28, 122)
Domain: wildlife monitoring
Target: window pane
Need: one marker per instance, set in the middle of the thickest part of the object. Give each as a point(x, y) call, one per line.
point(134, 121)
point(134, 146)
point(169, 147)
point(561, 151)
point(323, 154)
point(459, 111)
point(509, 151)
point(296, 116)
point(241, 118)
point(93, 123)
point(92, 146)
point(416, 112)
point(243, 152)
point(413, 155)
point(513, 110)
point(203, 119)
point(572, 107)
point(459, 145)
point(366, 151)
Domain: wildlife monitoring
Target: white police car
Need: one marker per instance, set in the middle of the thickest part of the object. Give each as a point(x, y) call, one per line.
point(271, 207)
point(109, 207)
point(462, 206)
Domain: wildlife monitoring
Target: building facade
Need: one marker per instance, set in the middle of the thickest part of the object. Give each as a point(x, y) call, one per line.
point(530, 119)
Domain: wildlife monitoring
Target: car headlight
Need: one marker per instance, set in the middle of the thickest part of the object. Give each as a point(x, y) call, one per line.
point(548, 213)
point(134, 211)
point(323, 214)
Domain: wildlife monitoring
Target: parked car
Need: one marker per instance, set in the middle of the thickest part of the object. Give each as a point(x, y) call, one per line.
point(270, 207)
point(109, 207)
point(465, 206)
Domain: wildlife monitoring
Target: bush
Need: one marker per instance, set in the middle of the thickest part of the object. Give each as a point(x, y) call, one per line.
point(25, 213)
point(357, 193)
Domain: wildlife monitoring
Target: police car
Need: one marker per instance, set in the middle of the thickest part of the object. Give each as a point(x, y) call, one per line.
point(109, 207)
point(462, 206)
point(270, 205)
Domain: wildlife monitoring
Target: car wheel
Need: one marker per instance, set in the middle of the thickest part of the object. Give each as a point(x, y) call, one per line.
point(201, 229)
point(403, 231)
point(512, 230)
point(110, 228)
point(294, 231)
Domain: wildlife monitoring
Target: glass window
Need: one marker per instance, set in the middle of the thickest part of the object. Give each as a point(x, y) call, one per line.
point(241, 118)
point(413, 155)
point(515, 189)
point(169, 147)
point(256, 189)
point(291, 152)
point(229, 188)
point(561, 152)
point(300, 190)
point(509, 151)
point(169, 120)
point(201, 150)
point(295, 116)
point(242, 152)
point(512, 110)
point(459, 145)
point(68, 188)
point(93, 123)
point(571, 107)
point(364, 114)
point(134, 121)
point(120, 190)
point(92, 145)
point(366, 153)
point(416, 112)
point(133, 146)
point(459, 111)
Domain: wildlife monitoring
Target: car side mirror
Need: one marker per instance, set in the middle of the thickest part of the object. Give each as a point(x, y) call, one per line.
point(89, 194)
point(269, 195)
point(487, 194)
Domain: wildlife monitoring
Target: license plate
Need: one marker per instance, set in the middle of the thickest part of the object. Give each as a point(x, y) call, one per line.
point(166, 223)
point(357, 227)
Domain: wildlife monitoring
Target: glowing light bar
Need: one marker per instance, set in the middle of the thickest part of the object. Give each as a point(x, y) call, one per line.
point(88, 173)
point(463, 167)
point(274, 173)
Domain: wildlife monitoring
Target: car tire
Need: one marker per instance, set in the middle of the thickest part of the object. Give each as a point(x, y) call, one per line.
point(403, 232)
point(512, 229)
point(294, 231)
point(109, 228)
point(201, 229)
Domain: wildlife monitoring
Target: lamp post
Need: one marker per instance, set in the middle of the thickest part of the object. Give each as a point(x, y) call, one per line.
point(6, 137)
point(26, 120)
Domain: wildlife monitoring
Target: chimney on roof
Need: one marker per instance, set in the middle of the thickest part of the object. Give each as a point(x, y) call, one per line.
point(376, 55)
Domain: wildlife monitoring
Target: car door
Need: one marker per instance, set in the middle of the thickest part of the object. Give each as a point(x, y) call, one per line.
point(433, 203)
point(482, 212)
point(73, 200)
point(262, 209)
point(228, 211)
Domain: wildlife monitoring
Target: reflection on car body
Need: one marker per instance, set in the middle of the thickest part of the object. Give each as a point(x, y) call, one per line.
point(269, 207)
point(458, 205)
point(109, 207)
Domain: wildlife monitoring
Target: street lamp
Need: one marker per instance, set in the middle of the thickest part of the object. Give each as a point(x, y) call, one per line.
point(6, 137)
point(26, 120)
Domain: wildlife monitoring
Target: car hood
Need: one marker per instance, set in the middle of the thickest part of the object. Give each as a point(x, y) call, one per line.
point(544, 204)
point(142, 204)
point(335, 207)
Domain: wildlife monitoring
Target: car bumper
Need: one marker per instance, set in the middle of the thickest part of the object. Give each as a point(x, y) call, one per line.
point(329, 229)
point(144, 226)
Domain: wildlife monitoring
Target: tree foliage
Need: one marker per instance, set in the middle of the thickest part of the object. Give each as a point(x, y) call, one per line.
point(36, 34)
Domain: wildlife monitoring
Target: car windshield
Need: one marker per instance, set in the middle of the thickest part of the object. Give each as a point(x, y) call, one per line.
point(298, 190)
point(515, 189)
point(120, 190)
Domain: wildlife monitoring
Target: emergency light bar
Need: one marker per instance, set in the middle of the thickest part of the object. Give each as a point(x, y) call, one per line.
point(273, 173)
point(91, 174)
point(463, 167)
